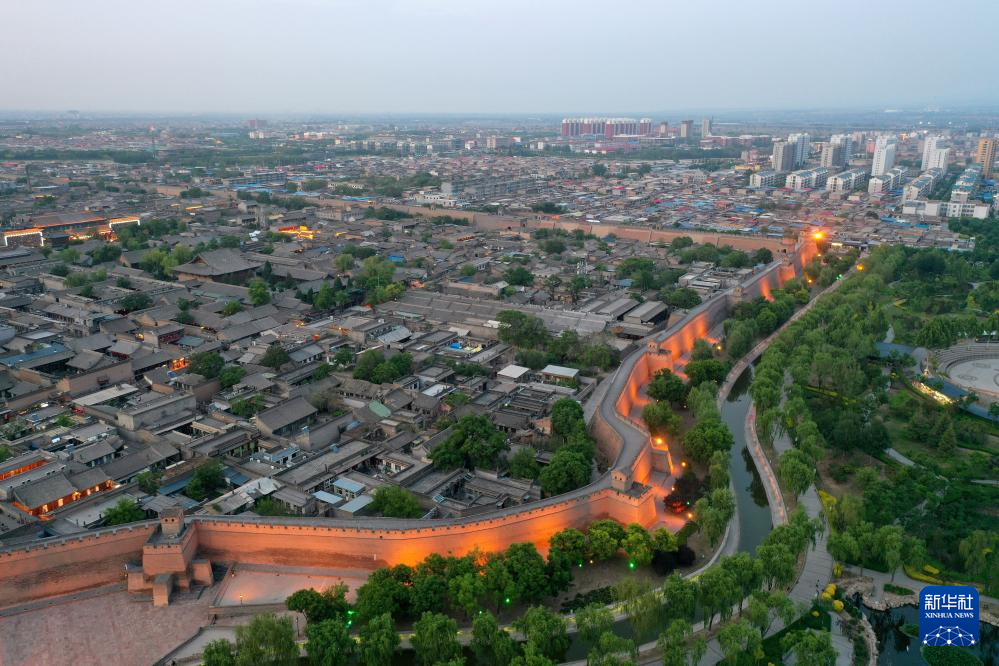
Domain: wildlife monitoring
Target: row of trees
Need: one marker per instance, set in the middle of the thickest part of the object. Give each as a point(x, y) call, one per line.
point(464, 585)
point(750, 585)
point(725, 256)
point(269, 639)
point(521, 575)
point(837, 401)
point(758, 319)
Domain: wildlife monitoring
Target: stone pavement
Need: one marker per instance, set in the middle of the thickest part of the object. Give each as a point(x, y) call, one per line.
point(114, 629)
point(249, 584)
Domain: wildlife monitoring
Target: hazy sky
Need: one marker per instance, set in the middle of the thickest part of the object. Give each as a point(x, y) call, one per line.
point(494, 56)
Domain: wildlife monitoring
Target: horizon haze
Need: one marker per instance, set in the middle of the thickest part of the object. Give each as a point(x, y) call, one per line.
point(514, 57)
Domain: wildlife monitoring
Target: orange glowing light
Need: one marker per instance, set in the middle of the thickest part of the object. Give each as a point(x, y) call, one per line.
point(818, 235)
point(690, 515)
point(860, 267)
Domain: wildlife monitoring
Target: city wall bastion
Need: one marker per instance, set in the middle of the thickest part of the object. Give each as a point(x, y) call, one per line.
point(176, 551)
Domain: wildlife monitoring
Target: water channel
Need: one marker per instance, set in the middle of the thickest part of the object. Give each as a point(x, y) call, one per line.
point(750, 497)
point(897, 648)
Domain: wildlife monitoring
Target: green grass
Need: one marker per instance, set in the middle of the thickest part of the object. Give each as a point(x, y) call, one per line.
point(898, 589)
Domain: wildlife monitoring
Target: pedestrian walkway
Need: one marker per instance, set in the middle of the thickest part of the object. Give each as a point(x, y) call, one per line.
point(902, 579)
point(818, 563)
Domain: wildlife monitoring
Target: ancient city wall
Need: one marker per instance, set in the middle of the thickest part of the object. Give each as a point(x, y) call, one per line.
point(64, 565)
point(315, 543)
point(489, 222)
point(58, 566)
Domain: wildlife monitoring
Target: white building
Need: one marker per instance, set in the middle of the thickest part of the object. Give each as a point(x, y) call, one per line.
point(807, 179)
point(887, 181)
point(884, 154)
point(975, 209)
point(765, 179)
point(837, 151)
point(935, 154)
point(438, 199)
point(802, 147)
point(966, 184)
point(922, 185)
point(847, 181)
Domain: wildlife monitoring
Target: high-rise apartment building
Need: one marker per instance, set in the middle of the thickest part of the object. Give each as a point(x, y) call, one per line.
point(986, 155)
point(884, 154)
point(836, 152)
point(782, 157)
point(706, 127)
point(935, 154)
point(686, 129)
point(802, 147)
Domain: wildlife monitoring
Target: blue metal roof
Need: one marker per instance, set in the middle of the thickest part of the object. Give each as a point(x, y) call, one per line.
point(14, 361)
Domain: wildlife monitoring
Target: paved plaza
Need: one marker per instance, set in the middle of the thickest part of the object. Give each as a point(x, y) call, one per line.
point(257, 584)
point(115, 629)
point(978, 375)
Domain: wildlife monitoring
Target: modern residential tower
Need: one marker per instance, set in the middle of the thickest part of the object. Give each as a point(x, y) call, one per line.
point(884, 154)
point(802, 147)
point(935, 154)
point(986, 155)
point(836, 152)
point(606, 127)
point(782, 157)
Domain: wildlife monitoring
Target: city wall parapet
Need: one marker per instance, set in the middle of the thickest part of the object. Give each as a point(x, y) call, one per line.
point(58, 566)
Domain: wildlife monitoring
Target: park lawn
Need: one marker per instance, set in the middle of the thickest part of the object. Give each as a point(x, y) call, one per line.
point(848, 486)
point(963, 463)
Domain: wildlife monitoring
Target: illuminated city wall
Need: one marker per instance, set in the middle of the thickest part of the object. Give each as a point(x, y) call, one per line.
point(678, 340)
point(315, 543)
point(58, 566)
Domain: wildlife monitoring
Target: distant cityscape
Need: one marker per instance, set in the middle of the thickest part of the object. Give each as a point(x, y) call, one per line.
point(240, 359)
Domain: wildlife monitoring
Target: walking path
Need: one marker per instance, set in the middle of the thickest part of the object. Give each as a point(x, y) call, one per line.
point(902, 579)
point(818, 562)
